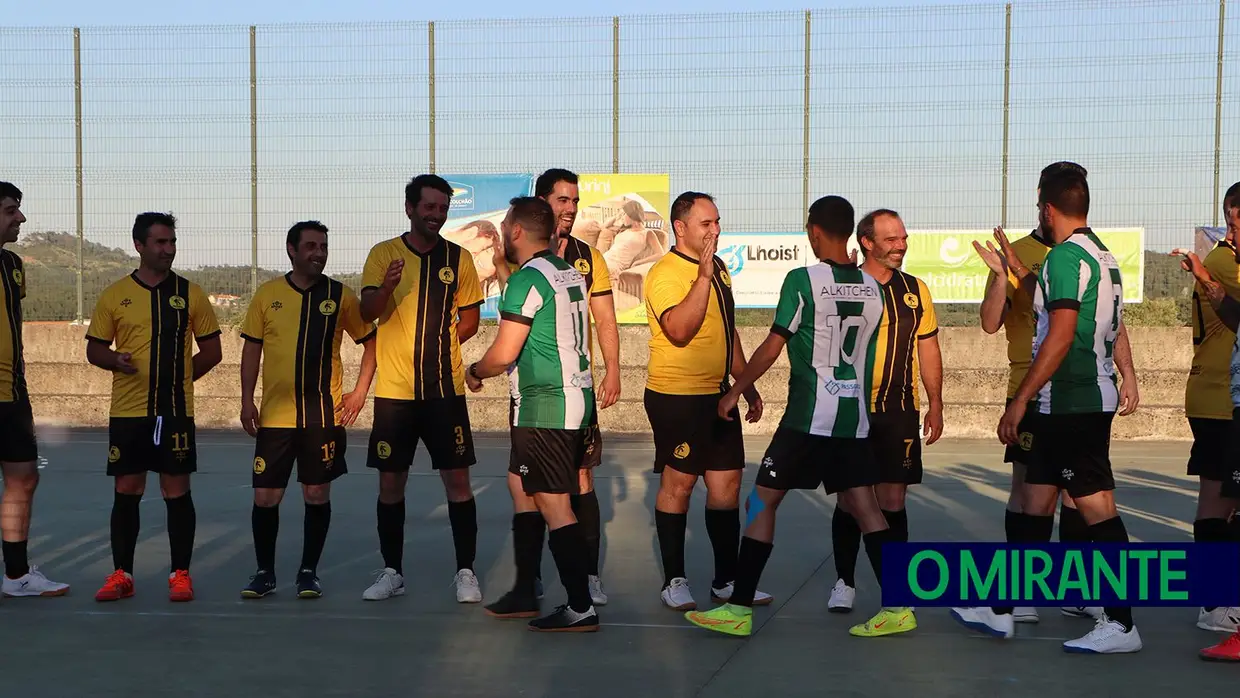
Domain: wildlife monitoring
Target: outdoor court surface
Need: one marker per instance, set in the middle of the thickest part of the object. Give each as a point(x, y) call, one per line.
point(425, 644)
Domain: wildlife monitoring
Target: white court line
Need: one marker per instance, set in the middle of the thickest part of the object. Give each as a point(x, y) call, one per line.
point(403, 618)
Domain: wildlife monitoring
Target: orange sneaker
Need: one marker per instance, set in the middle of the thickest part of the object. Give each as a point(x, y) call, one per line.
point(119, 585)
point(180, 586)
point(1226, 651)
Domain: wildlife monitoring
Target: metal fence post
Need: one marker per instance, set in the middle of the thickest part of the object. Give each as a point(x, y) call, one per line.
point(253, 162)
point(77, 136)
point(805, 125)
point(1007, 104)
point(430, 66)
point(615, 95)
point(1218, 105)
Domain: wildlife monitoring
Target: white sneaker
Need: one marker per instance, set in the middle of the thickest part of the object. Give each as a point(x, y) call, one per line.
point(1223, 619)
point(467, 589)
point(677, 596)
point(842, 597)
point(984, 620)
point(33, 583)
point(596, 591)
point(724, 595)
point(1094, 612)
point(1025, 614)
point(1107, 637)
point(387, 584)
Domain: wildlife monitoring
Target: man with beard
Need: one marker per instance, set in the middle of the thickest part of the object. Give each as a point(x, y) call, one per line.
point(154, 317)
point(424, 292)
point(294, 326)
point(906, 340)
point(541, 344)
point(19, 450)
point(559, 188)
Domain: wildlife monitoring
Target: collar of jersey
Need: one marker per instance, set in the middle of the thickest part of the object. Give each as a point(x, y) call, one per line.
point(437, 245)
point(536, 255)
point(289, 278)
point(167, 280)
point(676, 251)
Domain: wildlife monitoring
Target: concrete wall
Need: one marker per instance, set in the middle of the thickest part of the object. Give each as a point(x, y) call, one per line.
point(68, 391)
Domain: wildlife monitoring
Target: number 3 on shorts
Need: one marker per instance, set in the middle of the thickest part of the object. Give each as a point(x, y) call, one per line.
point(460, 435)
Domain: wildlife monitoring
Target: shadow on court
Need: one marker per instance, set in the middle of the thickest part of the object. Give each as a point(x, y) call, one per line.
point(425, 644)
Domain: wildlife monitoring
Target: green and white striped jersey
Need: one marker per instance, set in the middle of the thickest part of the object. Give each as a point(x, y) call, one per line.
point(830, 314)
point(551, 383)
point(1080, 274)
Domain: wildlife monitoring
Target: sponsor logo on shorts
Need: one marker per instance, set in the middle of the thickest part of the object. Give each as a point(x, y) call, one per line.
point(682, 451)
point(446, 275)
point(583, 266)
point(910, 299)
point(524, 470)
point(177, 303)
point(1235, 476)
point(114, 454)
point(383, 449)
point(1067, 474)
point(260, 466)
point(769, 464)
point(328, 307)
point(1026, 441)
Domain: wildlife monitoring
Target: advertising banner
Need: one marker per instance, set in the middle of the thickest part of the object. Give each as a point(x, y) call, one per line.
point(758, 263)
point(479, 204)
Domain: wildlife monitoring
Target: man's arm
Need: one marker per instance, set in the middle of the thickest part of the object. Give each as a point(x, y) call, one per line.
point(930, 358)
point(251, 358)
point(682, 321)
point(994, 303)
point(1050, 355)
point(603, 309)
point(503, 352)
point(100, 355)
point(366, 372)
point(208, 357)
point(467, 326)
point(763, 358)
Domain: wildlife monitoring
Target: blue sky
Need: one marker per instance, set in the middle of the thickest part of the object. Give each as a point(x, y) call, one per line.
point(906, 109)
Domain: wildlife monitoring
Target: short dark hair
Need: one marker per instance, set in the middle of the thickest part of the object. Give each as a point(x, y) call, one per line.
point(547, 180)
point(834, 215)
point(294, 233)
point(10, 191)
point(1232, 195)
point(413, 190)
point(1061, 167)
point(145, 221)
point(1068, 192)
point(865, 228)
point(684, 202)
point(535, 217)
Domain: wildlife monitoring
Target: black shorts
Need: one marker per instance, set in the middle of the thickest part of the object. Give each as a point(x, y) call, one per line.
point(1022, 451)
point(17, 440)
point(796, 460)
point(164, 445)
point(547, 460)
point(1231, 472)
point(895, 438)
point(593, 455)
point(1071, 452)
point(442, 424)
point(689, 436)
point(1211, 443)
point(317, 451)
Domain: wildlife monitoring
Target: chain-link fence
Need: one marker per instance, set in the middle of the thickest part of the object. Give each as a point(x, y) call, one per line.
point(946, 114)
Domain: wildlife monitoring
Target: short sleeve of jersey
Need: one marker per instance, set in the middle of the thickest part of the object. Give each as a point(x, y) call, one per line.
point(351, 316)
point(602, 277)
point(521, 300)
point(255, 323)
point(201, 314)
point(1223, 268)
point(468, 288)
point(1064, 286)
point(376, 267)
point(791, 306)
point(102, 322)
point(663, 291)
point(929, 320)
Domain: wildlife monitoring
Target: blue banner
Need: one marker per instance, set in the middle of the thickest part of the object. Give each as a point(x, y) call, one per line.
point(1059, 574)
point(479, 203)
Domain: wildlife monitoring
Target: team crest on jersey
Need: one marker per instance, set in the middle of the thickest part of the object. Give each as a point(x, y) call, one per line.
point(446, 275)
point(583, 266)
point(1026, 441)
point(681, 451)
point(177, 303)
point(114, 454)
point(727, 278)
point(910, 299)
point(18, 276)
point(260, 465)
point(327, 307)
point(383, 449)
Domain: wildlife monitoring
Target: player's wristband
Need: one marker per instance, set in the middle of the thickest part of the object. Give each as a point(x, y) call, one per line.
point(473, 371)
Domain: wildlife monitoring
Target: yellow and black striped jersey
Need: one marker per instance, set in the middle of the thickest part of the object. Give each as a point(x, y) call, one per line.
point(908, 317)
point(300, 331)
point(1208, 392)
point(12, 364)
point(157, 326)
point(1031, 250)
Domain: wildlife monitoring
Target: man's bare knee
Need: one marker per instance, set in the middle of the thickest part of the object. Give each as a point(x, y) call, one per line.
point(131, 484)
point(316, 494)
point(267, 497)
point(20, 479)
point(1097, 507)
point(675, 490)
point(173, 486)
point(1039, 500)
point(392, 486)
point(891, 496)
point(522, 503)
point(456, 484)
point(1210, 501)
point(723, 489)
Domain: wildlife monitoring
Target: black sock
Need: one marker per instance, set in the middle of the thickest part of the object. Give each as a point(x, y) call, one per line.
point(750, 562)
point(723, 527)
point(585, 508)
point(265, 521)
point(392, 534)
point(1025, 528)
point(464, 519)
point(126, 522)
point(16, 565)
point(318, 520)
point(671, 531)
point(568, 547)
point(846, 541)
point(527, 542)
point(1040, 528)
point(182, 523)
point(1072, 526)
point(1113, 531)
point(1011, 525)
point(897, 521)
point(874, 550)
